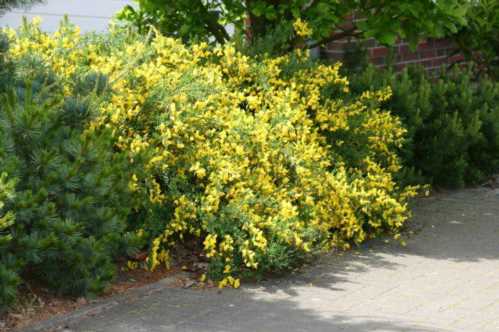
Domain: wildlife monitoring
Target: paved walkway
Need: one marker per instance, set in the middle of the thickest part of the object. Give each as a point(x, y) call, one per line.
point(445, 279)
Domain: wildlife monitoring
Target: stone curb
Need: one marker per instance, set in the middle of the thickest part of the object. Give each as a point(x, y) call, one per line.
point(61, 322)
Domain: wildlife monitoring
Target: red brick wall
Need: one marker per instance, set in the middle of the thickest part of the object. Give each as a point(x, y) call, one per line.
point(432, 53)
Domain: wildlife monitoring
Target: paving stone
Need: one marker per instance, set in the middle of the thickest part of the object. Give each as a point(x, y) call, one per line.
point(446, 279)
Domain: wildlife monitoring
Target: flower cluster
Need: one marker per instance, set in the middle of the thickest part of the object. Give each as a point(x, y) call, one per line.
point(302, 28)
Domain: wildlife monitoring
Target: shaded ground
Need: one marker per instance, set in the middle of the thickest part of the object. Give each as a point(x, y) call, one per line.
point(36, 303)
point(445, 279)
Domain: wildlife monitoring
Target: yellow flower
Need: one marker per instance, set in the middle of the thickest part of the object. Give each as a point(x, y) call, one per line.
point(198, 170)
point(133, 184)
point(236, 283)
point(36, 21)
point(131, 265)
point(302, 28)
point(210, 243)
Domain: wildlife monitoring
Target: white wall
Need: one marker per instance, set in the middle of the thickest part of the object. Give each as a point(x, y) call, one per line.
point(90, 15)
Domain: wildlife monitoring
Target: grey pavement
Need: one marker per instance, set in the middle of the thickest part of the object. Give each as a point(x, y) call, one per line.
point(445, 279)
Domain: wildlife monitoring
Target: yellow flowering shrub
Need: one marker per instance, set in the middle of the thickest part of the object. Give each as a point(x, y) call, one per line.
point(261, 162)
point(302, 28)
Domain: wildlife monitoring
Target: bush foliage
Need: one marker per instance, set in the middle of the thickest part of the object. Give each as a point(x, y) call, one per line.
point(452, 122)
point(69, 196)
point(141, 141)
point(6, 5)
point(270, 25)
point(9, 280)
point(478, 40)
point(8, 277)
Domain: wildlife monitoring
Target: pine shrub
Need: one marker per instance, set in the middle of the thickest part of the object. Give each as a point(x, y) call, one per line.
point(71, 189)
point(9, 279)
point(452, 121)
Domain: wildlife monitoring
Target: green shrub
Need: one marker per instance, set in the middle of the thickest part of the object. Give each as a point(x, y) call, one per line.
point(478, 40)
point(452, 122)
point(5, 65)
point(71, 192)
point(9, 279)
point(262, 163)
point(279, 26)
point(6, 5)
point(259, 164)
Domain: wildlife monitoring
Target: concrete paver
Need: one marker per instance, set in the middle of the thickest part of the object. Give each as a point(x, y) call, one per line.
point(445, 279)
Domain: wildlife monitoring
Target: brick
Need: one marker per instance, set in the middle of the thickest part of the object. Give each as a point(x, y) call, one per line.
point(456, 58)
point(427, 63)
point(409, 56)
point(400, 66)
point(445, 279)
point(442, 43)
point(336, 46)
point(425, 45)
point(443, 51)
point(439, 61)
point(370, 43)
point(378, 61)
point(333, 56)
point(404, 48)
point(428, 54)
point(378, 52)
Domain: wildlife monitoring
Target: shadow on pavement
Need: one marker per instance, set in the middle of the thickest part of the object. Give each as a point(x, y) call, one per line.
point(340, 292)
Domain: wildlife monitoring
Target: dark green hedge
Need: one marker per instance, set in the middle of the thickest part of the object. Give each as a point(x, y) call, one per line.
point(452, 120)
point(71, 196)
